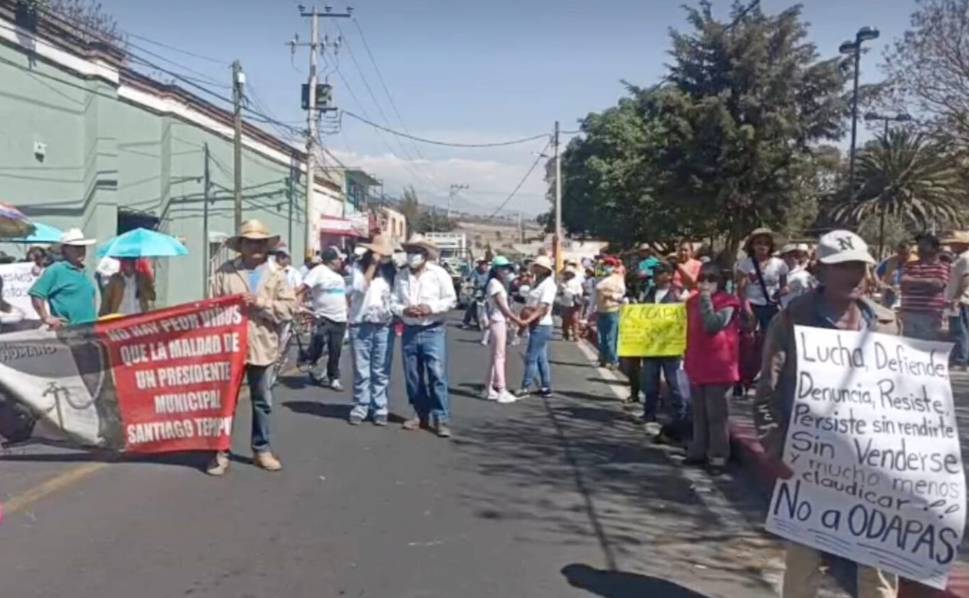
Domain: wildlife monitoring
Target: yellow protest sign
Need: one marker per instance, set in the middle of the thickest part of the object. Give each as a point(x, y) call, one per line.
point(652, 330)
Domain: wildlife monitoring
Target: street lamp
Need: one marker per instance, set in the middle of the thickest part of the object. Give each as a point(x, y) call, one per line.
point(898, 118)
point(854, 47)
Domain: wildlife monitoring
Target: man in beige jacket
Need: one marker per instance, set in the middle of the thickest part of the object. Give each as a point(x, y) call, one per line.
point(271, 302)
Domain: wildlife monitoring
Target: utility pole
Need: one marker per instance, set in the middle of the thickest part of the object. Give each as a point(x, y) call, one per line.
point(289, 196)
point(557, 247)
point(238, 80)
point(450, 196)
point(314, 105)
point(206, 184)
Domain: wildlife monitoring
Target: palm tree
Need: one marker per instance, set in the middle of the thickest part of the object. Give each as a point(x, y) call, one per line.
point(908, 175)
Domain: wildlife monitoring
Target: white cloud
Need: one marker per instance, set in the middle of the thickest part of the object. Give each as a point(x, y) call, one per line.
point(489, 180)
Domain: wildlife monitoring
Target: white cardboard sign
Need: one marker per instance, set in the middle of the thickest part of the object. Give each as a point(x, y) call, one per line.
point(874, 450)
point(17, 280)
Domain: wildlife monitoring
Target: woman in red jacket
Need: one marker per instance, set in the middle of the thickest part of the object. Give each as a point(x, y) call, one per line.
point(712, 365)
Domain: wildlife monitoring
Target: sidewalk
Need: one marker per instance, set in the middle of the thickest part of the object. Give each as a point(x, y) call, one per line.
point(747, 450)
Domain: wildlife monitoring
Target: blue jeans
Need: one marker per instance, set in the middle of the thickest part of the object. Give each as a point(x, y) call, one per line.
point(261, 399)
point(959, 328)
point(608, 325)
point(425, 371)
point(373, 349)
point(536, 357)
point(652, 368)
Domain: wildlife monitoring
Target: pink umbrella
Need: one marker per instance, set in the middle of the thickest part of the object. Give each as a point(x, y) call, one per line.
point(13, 223)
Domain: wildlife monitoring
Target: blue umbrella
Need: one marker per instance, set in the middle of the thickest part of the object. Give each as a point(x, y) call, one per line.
point(142, 242)
point(43, 233)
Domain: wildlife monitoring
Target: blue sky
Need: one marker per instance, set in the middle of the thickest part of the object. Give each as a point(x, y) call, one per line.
point(461, 71)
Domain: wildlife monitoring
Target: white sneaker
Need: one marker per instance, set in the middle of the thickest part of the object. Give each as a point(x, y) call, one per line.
point(490, 394)
point(505, 397)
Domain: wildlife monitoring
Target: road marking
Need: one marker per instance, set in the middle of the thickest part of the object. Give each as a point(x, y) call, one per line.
point(57, 483)
point(74, 475)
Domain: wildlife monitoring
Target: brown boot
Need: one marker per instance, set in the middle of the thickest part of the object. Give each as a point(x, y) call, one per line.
point(265, 460)
point(218, 465)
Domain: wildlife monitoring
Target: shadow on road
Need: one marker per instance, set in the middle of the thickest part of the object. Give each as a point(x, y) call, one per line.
point(328, 410)
point(619, 584)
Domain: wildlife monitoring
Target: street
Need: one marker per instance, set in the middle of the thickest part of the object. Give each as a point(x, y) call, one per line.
point(556, 497)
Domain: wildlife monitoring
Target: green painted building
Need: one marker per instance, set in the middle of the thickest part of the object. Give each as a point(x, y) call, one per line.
point(87, 142)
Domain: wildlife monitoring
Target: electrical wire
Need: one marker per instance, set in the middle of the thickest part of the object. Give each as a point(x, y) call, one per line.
point(383, 82)
point(531, 169)
point(444, 143)
point(179, 50)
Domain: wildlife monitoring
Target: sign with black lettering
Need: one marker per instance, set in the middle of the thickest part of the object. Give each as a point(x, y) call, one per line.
point(874, 450)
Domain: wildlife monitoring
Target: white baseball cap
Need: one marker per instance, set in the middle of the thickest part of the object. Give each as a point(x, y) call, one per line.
point(841, 246)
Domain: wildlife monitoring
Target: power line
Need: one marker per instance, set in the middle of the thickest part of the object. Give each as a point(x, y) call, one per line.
point(383, 82)
point(443, 143)
point(531, 169)
point(179, 50)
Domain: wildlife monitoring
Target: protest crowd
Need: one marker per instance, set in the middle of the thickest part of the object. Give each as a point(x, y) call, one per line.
point(737, 321)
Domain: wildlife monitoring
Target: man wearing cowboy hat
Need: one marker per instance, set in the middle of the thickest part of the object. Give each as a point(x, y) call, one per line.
point(327, 291)
point(65, 287)
point(423, 294)
point(271, 303)
point(958, 295)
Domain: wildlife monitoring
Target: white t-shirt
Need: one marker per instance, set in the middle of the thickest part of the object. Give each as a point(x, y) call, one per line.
point(799, 281)
point(369, 303)
point(328, 293)
point(129, 297)
point(543, 293)
point(492, 291)
point(772, 271)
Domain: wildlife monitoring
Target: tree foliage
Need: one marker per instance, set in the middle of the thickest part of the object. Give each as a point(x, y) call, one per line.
point(419, 218)
point(725, 145)
point(929, 68)
point(909, 176)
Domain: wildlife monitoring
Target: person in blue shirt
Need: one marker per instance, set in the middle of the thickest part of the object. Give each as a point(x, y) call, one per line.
point(64, 295)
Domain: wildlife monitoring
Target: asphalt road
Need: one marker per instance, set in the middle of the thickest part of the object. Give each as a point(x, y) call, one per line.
point(543, 498)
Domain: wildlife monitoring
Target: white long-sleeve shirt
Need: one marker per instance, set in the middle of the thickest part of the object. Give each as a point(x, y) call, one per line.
point(432, 287)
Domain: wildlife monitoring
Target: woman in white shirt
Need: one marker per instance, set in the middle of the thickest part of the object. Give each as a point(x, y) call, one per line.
point(541, 297)
point(761, 277)
point(371, 333)
point(498, 314)
point(799, 280)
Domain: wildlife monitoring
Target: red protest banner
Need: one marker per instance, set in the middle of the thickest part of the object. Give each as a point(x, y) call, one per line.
point(163, 381)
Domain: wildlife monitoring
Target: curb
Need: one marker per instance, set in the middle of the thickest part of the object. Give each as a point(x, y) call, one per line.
point(749, 452)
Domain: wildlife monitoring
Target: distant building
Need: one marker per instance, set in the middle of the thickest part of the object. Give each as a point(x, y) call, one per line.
point(392, 223)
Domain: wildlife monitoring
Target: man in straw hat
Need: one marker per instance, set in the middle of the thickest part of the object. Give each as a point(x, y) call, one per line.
point(838, 303)
point(423, 294)
point(958, 295)
point(64, 287)
point(270, 302)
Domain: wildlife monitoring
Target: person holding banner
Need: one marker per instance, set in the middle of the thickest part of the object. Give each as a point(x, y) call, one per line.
point(837, 303)
point(270, 302)
point(664, 292)
point(712, 366)
point(128, 291)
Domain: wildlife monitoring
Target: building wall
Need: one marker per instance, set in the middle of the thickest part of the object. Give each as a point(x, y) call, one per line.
point(112, 153)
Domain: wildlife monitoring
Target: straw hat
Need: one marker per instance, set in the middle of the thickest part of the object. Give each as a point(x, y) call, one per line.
point(792, 247)
point(418, 241)
point(544, 262)
point(762, 231)
point(75, 238)
point(381, 244)
point(254, 230)
point(957, 236)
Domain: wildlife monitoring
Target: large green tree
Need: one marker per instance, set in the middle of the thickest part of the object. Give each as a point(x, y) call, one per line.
point(738, 124)
point(729, 141)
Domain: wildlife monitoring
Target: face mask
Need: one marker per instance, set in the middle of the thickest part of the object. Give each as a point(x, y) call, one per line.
point(504, 275)
point(415, 260)
point(608, 270)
